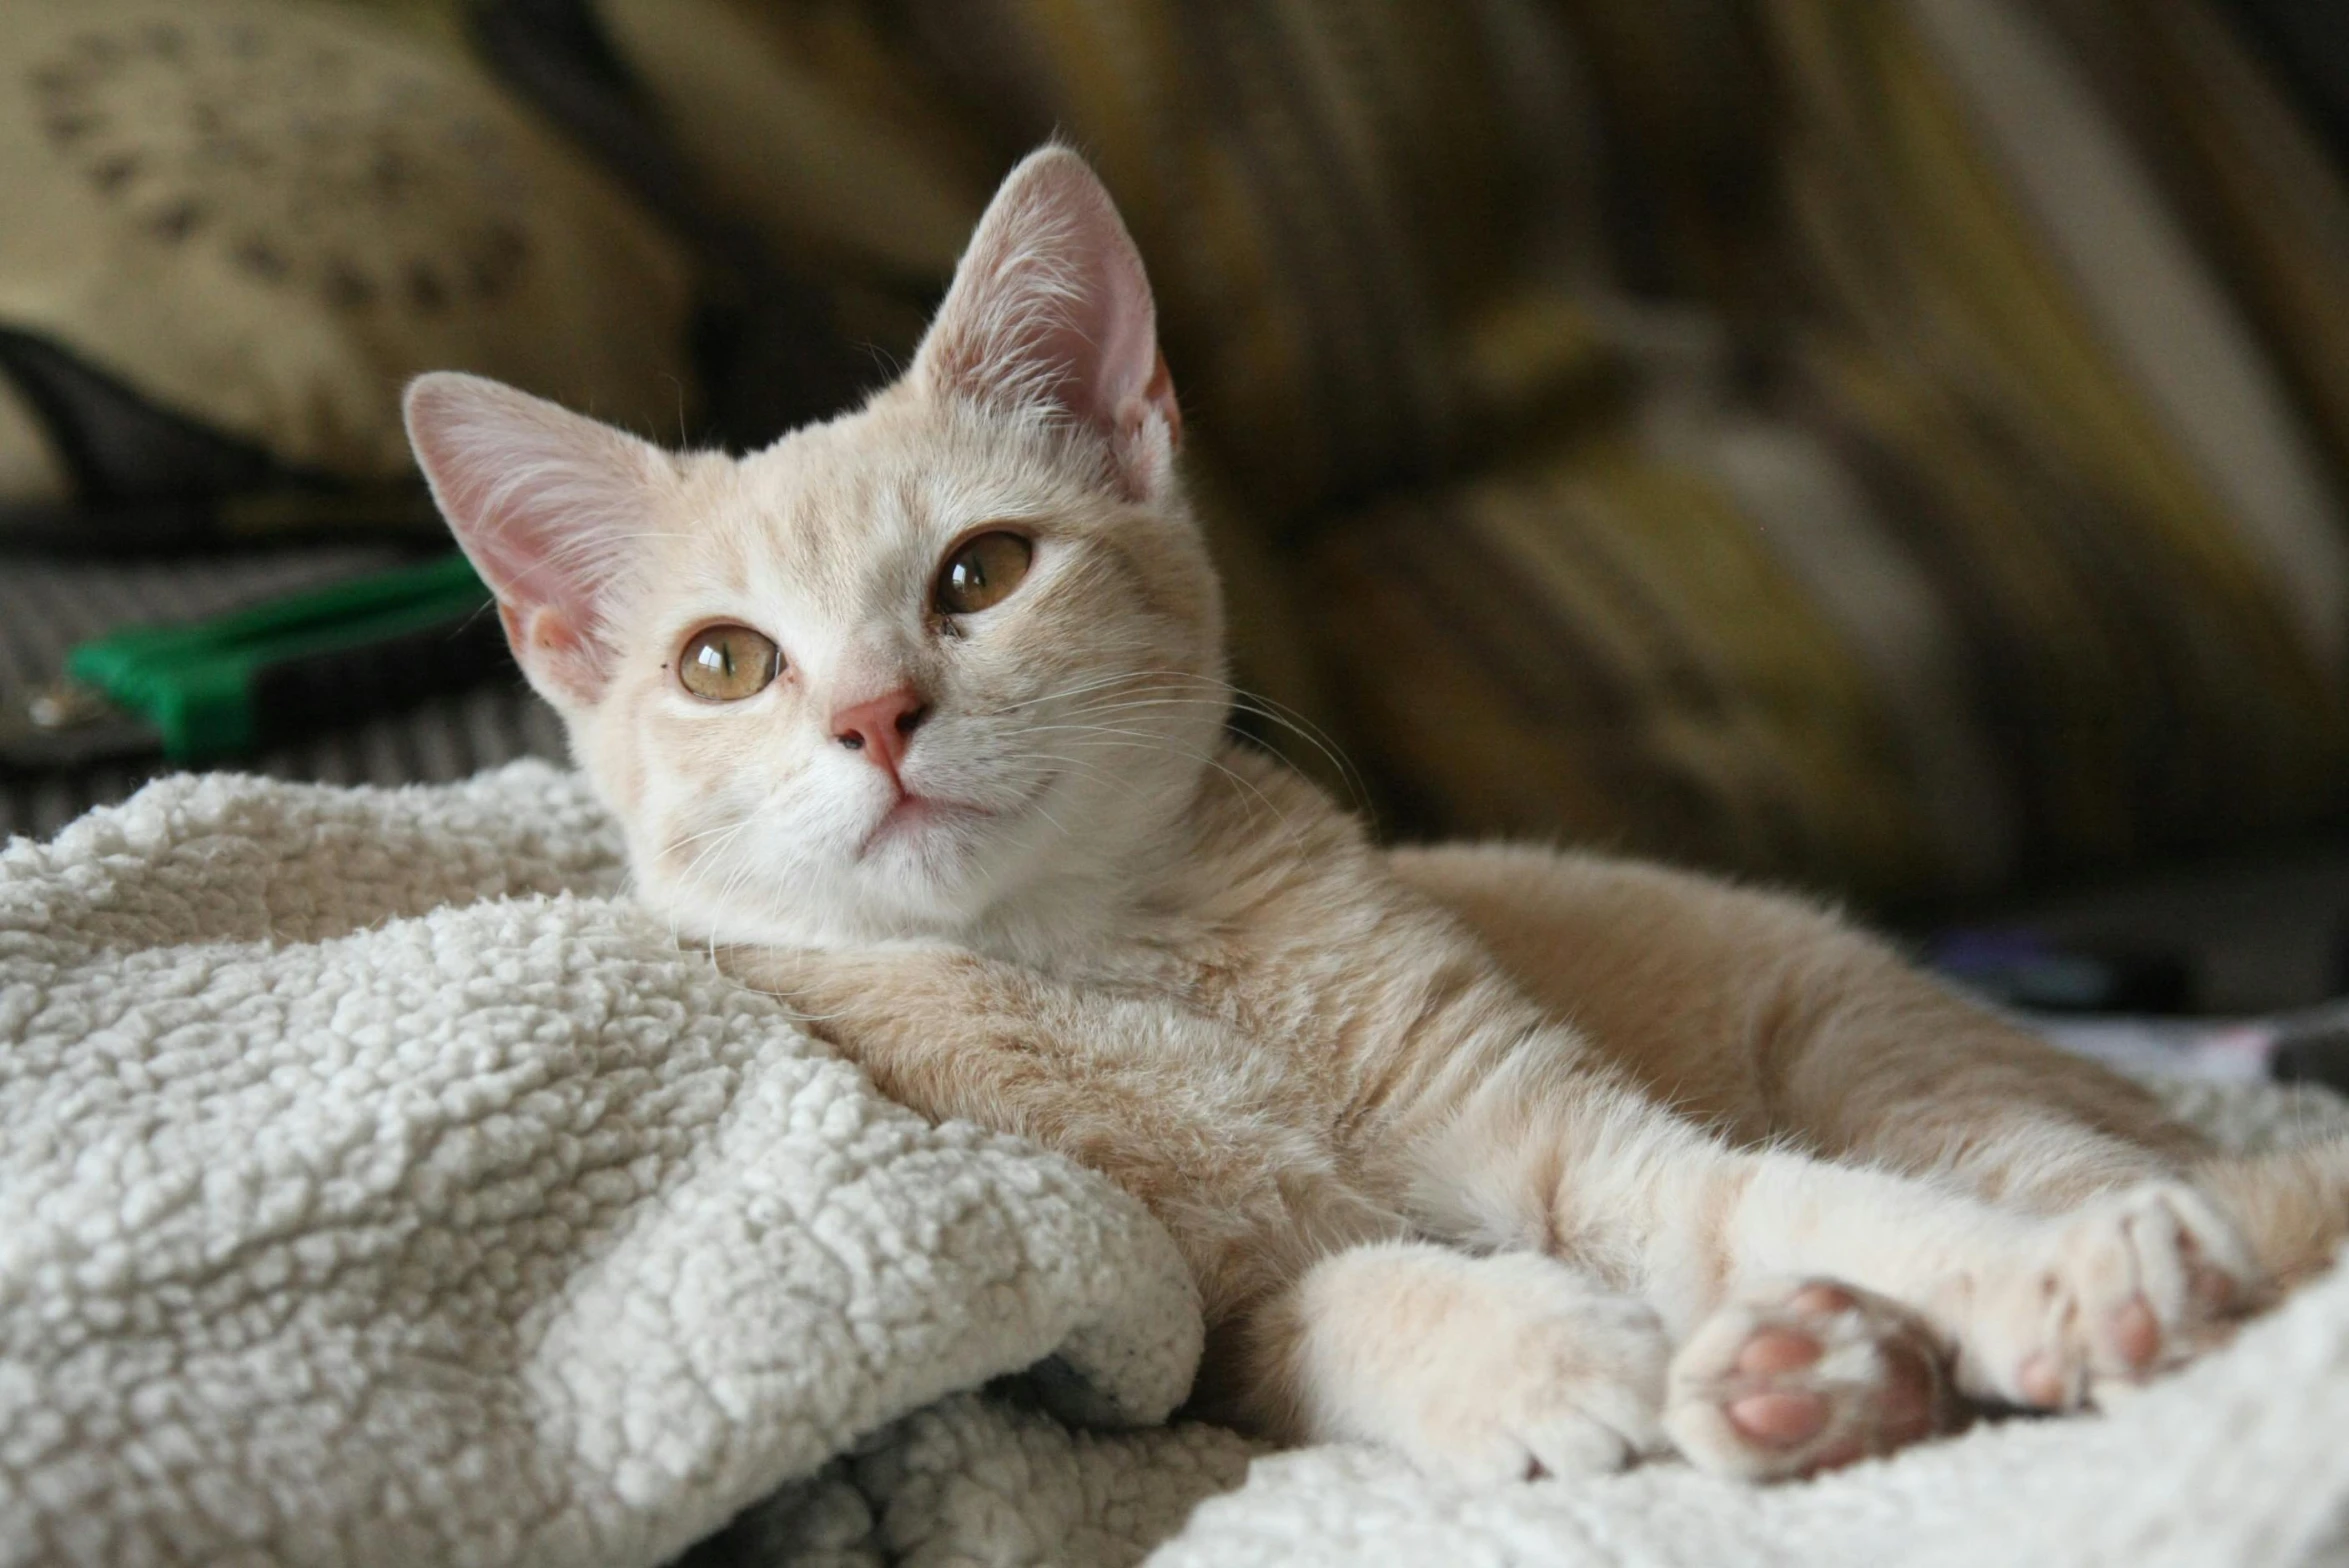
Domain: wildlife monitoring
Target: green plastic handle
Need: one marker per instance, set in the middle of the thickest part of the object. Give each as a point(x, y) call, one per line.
point(203, 686)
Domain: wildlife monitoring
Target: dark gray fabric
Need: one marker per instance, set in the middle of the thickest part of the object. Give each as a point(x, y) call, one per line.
point(47, 606)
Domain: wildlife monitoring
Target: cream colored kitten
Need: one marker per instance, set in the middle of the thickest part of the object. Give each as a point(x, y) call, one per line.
point(1511, 1160)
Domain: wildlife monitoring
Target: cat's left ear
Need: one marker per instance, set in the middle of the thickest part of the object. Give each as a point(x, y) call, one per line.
point(1050, 308)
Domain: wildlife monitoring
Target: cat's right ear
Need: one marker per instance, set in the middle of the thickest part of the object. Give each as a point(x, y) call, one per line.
point(548, 506)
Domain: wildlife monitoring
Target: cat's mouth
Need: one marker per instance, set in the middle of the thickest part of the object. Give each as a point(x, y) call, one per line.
point(915, 816)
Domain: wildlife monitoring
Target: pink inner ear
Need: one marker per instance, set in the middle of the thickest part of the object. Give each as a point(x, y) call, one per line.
point(548, 507)
point(1160, 395)
point(1051, 308)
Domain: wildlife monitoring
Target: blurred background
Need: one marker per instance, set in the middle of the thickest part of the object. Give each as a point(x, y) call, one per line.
point(1893, 448)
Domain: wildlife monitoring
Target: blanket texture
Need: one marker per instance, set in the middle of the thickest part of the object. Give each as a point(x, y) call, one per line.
point(378, 1186)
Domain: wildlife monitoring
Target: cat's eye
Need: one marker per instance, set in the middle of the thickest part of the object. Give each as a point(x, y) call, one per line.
point(982, 571)
point(728, 663)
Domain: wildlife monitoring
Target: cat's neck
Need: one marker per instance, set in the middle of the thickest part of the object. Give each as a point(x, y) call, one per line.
point(1254, 833)
point(1069, 918)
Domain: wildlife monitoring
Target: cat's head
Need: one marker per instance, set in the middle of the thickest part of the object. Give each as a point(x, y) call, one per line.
point(897, 672)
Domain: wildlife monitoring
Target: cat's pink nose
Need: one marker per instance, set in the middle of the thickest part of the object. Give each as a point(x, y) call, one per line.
point(882, 727)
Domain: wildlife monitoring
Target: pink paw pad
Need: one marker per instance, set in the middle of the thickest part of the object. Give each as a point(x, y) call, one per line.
point(1780, 1420)
point(2136, 1334)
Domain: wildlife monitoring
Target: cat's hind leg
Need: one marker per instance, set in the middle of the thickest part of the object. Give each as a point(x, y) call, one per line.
point(1483, 1368)
point(1790, 1378)
point(1773, 1021)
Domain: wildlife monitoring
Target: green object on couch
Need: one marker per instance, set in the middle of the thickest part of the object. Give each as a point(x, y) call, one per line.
point(219, 688)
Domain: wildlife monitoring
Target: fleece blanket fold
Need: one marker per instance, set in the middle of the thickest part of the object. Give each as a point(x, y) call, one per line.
point(378, 1186)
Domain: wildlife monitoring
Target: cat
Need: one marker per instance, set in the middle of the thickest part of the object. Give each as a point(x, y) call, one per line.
point(1517, 1162)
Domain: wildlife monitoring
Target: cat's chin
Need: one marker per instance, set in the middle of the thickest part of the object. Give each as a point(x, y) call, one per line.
point(928, 869)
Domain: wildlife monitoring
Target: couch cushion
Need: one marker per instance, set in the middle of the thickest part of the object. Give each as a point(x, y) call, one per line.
point(261, 219)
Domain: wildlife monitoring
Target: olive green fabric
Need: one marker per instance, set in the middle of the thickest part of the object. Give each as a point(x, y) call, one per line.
point(263, 218)
point(1889, 444)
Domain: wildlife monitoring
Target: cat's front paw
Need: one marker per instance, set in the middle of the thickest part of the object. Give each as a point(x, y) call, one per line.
point(1488, 1369)
point(2120, 1290)
point(1792, 1378)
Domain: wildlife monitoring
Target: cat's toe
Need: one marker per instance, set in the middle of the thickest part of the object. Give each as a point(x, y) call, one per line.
point(1792, 1380)
point(1571, 1443)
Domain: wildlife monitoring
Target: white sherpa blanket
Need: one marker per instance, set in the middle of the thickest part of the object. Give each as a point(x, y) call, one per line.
point(376, 1187)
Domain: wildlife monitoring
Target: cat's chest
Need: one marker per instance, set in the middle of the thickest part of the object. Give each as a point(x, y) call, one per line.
point(1271, 995)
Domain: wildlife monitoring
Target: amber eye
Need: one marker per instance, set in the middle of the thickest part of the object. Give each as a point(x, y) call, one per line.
point(728, 663)
point(982, 571)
